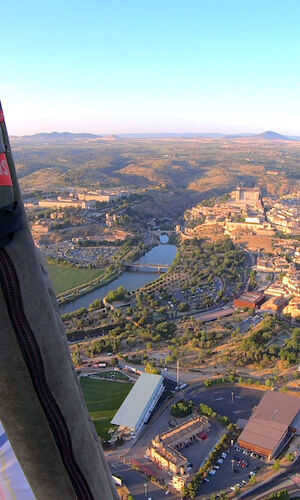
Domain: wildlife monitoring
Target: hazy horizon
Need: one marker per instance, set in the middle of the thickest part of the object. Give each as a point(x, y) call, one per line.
point(162, 133)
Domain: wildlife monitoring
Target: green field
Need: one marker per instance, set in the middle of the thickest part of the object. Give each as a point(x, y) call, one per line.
point(103, 399)
point(66, 278)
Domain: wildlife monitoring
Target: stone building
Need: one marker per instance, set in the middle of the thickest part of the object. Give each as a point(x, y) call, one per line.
point(164, 449)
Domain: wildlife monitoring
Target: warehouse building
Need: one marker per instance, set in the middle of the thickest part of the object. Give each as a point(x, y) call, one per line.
point(249, 299)
point(140, 402)
point(273, 423)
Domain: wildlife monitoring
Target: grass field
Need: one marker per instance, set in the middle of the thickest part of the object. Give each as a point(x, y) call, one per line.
point(103, 399)
point(66, 278)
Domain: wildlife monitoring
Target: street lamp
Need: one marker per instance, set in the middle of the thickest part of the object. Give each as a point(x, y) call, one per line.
point(232, 395)
point(145, 487)
point(232, 464)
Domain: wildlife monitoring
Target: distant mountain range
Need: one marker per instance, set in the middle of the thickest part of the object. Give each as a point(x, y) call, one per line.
point(56, 137)
point(68, 137)
point(268, 135)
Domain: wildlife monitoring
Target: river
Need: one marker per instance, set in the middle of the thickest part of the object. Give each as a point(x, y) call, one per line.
point(161, 254)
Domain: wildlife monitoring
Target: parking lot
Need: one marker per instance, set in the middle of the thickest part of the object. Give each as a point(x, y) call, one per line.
point(235, 402)
point(231, 472)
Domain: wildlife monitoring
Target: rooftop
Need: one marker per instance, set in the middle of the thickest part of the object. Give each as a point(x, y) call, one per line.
point(277, 407)
point(270, 420)
point(251, 296)
point(263, 433)
point(134, 405)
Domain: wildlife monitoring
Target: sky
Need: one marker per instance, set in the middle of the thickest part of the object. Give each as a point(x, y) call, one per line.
point(122, 66)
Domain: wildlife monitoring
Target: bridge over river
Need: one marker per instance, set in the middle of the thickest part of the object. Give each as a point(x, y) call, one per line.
point(146, 267)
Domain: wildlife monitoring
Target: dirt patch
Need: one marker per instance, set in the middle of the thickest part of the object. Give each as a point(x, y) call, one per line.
point(256, 243)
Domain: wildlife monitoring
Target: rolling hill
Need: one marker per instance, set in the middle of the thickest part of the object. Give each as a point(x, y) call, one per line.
point(202, 165)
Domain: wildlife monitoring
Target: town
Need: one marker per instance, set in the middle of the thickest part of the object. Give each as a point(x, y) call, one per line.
point(209, 337)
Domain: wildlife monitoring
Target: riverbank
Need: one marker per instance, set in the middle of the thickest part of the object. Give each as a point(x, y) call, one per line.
point(85, 288)
point(160, 254)
point(69, 275)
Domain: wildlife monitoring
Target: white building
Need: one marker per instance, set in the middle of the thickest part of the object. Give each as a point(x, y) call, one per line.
point(142, 399)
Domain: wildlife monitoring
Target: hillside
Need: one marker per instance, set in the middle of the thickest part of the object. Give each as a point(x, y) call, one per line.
point(200, 165)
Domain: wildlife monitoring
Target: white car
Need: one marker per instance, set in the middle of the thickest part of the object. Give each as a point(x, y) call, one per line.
point(212, 472)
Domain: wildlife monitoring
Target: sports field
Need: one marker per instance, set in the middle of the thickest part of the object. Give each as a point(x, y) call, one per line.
point(103, 399)
point(66, 278)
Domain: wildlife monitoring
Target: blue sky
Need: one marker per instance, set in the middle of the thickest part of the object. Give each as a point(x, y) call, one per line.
point(150, 66)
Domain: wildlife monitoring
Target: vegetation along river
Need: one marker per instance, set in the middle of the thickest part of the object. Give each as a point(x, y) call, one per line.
point(131, 280)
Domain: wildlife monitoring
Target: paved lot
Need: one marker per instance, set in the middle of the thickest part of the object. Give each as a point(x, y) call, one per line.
point(136, 483)
point(225, 477)
point(220, 398)
point(199, 451)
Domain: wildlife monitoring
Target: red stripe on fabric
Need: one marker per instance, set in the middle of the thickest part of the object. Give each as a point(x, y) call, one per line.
point(5, 177)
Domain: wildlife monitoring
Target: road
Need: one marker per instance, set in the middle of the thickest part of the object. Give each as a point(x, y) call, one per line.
point(287, 474)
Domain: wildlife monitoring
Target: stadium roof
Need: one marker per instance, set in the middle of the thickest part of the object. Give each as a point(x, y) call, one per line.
point(133, 407)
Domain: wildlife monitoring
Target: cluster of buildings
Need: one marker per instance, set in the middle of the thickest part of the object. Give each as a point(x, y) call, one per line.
point(86, 200)
point(285, 294)
point(272, 425)
point(246, 212)
point(67, 202)
point(82, 200)
point(280, 296)
point(284, 215)
point(243, 212)
point(272, 264)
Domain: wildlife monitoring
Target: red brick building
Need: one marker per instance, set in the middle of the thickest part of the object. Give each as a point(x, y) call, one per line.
point(249, 299)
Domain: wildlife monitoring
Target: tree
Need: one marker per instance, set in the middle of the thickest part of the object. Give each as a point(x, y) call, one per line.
point(277, 465)
point(114, 362)
point(76, 358)
point(151, 368)
point(182, 408)
point(117, 294)
point(97, 304)
point(183, 306)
